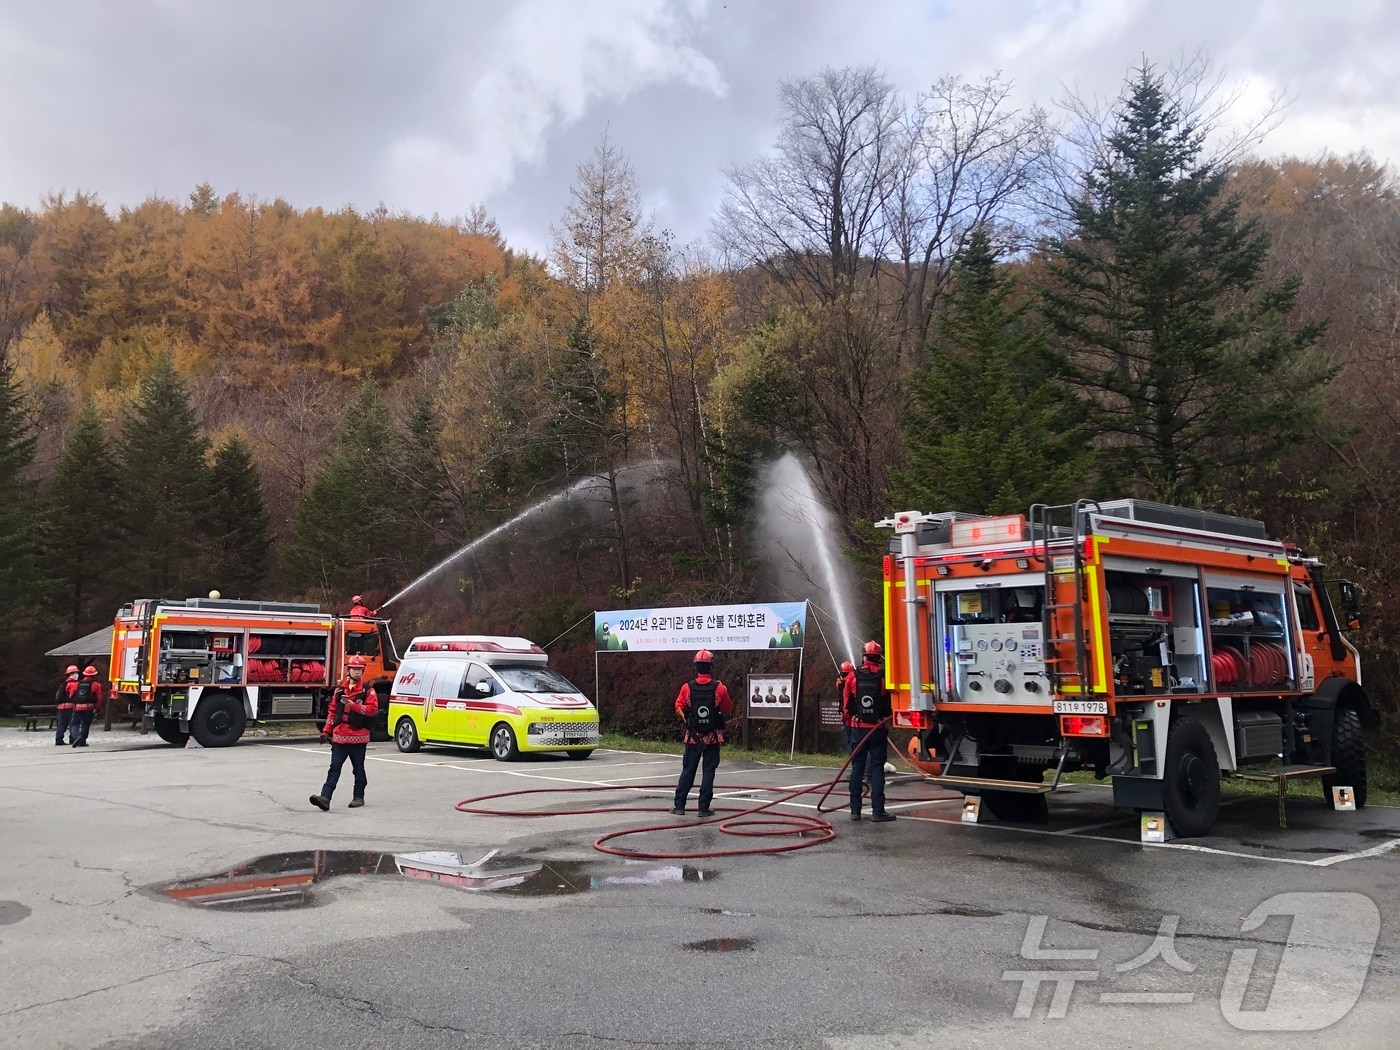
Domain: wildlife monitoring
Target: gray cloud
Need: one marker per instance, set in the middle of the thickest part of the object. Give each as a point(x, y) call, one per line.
point(430, 107)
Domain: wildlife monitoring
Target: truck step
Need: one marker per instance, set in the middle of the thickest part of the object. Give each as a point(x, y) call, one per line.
point(969, 785)
point(1282, 773)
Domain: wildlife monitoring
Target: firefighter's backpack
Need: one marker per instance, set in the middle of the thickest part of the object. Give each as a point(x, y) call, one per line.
point(871, 703)
point(703, 714)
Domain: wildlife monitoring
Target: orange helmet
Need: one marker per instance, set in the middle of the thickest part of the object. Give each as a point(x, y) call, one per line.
point(873, 649)
point(356, 661)
point(704, 656)
point(356, 598)
point(847, 667)
point(72, 669)
point(89, 671)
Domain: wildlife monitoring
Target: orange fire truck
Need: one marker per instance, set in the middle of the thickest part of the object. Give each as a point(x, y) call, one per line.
point(1159, 646)
point(205, 667)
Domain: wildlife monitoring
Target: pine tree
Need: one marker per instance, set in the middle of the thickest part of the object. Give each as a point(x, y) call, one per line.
point(21, 579)
point(346, 537)
point(167, 487)
point(991, 429)
point(239, 536)
point(423, 484)
point(1196, 375)
point(82, 543)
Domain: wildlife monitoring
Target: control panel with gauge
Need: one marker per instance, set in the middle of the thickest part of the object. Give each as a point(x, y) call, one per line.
point(1000, 663)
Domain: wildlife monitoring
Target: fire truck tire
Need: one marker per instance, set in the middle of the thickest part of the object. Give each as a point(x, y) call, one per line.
point(1016, 807)
point(503, 744)
point(168, 729)
point(1348, 756)
point(379, 728)
point(406, 735)
point(1190, 779)
point(219, 720)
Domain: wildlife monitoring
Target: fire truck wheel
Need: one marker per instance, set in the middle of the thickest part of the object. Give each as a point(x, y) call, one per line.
point(1348, 756)
point(1191, 779)
point(503, 744)
point(379, 728)
point(1017, 807)
point(406, 735)
point(219, 720)
point(168, 729)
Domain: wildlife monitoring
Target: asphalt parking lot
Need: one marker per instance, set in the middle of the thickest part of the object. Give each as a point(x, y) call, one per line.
point(922, 932)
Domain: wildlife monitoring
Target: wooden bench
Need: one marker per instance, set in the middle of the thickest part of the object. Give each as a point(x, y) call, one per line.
point(34, 713)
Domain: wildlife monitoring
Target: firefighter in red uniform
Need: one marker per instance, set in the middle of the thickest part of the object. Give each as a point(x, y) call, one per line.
point(703, 704)
point(85, 700)
point(359, 608)
point(64, 701)
point(353, 706)
point(846, 668)
point(866, 702)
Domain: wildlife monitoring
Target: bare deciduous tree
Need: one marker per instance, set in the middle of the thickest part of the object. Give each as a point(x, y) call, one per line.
point(814, 215)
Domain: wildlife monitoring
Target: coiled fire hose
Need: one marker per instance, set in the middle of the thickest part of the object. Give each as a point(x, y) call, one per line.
point(754, 822)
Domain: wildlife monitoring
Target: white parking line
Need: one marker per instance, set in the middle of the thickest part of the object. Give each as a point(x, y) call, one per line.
point(747, 795)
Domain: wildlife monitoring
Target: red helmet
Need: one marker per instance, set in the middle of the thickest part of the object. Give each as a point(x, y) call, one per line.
point(847, 667)
point(72, 669)
point(873, 649)
point(89, 671)
point(356, 661)
point(704, 656)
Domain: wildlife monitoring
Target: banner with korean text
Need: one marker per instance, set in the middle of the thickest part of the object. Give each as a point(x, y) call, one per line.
point(780, 625)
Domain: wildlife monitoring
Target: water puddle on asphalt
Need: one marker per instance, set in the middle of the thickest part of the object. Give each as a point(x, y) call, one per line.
point(286, 880)
point(721, 944)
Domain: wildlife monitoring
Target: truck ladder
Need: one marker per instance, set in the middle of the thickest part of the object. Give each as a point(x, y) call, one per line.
point(1063, 613)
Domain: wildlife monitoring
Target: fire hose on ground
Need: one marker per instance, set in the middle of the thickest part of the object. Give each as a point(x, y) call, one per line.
point(757, 822)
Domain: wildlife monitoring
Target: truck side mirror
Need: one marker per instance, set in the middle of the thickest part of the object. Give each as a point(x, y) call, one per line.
point(1351, 606)
point(483, 689)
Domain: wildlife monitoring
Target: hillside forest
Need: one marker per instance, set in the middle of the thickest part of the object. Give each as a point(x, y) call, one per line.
point(948, 301)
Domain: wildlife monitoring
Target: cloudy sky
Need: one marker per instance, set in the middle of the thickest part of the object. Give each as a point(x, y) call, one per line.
point(432, 105)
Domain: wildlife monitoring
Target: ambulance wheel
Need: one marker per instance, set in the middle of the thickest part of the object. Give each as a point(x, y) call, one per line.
point(503, 744)
point(168, 729)
point(1190, 779)
point(406, 735)
point(219, 720)
point(579, 756)
point(1348, 756)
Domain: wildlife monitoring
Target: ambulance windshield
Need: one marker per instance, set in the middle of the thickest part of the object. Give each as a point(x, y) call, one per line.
point(533, 678)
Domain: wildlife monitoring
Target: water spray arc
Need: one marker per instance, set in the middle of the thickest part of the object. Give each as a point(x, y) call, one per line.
point(535, 508)
point(798, 520)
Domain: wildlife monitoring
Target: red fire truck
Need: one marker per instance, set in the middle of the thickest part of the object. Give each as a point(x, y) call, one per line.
point(207, 666)
point(1157, 646)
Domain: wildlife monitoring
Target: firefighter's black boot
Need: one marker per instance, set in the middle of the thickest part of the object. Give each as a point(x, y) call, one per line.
point(321, 802)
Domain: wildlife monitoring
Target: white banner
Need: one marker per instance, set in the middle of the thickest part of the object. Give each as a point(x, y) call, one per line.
point(780, 625)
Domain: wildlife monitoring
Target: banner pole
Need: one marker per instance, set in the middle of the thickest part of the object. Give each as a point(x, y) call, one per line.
point(797, 692)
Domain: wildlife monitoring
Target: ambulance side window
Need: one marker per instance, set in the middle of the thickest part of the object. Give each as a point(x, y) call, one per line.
point(477, 674)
